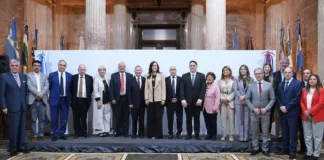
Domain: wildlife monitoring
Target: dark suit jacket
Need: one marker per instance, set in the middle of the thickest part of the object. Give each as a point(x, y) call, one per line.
point(278, 79)
point(169, 91)
point(115, 85)
point(54, 87)
point(11, 96)
point(136, 96)
point(191, 93)
point(74, 88)
point(290, 97)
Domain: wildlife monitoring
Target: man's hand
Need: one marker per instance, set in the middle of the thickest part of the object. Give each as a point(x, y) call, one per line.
point(113, 101)
point(147, 102)
point(130, 106)
point(257, 111)
point(99, 105)
point(198, 103)
point(174, 100)
point(263, 110)
point(162, 102)
point(184, 103)
point(5, 111)
point(283, 109)
point(41, 96)
point(242, 98)
point(214, 110)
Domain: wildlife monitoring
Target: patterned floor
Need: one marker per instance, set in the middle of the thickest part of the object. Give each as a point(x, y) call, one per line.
point(135, 156)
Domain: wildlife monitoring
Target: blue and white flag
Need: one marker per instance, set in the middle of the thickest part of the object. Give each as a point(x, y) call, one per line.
point(41, 58)
point(235, 45)
point(299, 58)
point(11, 46)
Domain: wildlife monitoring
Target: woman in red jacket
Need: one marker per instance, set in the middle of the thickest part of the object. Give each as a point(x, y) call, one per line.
point(312, 106)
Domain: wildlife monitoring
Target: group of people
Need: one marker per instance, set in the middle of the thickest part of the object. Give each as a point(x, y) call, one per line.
point(257, 102)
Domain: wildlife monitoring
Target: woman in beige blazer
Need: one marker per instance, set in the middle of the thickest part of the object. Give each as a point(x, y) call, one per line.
point(154, 99)
point(226, 86)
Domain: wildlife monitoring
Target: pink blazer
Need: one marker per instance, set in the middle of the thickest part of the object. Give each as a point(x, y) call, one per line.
point(212, 99)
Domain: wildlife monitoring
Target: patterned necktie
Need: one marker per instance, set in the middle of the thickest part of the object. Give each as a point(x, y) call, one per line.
point(286, 86)
point(122, 89)
point(138, 83)
point(61, 85)
point(173, 86)
point(17, 79)
point(193, 79)
point(80, 86)
point(260, 88)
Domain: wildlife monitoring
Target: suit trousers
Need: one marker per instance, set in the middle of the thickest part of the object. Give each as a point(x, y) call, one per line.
point(301, 136)
point(104, 118)
point(38, 111)
point(122, 116)
point(277, 121)
point(60, 110)
point(17, 130)
point(227, 113)
point(243, 118)
point(289, 133)
point(211, 123)
point(193, 111)
point(270, 121)
point(138, 115)
point(178, 110)
point(80, 111)
point(154, 120)
point(264, 120)
point(313, 137)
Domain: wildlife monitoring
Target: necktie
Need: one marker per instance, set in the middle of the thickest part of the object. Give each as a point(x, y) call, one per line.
point(138, 83)
point(173, 86)
point(80, 86)
point(193, 79)
point(260, 88)
point(286, 86)
point(61, 85)
point(17, 79)
point(122, 89)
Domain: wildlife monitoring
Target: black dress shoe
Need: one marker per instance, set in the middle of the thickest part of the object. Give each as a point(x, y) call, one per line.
point(292, 156)
point(283, 153)
point(64, 137)
point(54, 138)
point(85, 135)
point(307, 157)
point(23, 150)
point(141, 136)
point(76, 136)
point(254, 152)
point(125, 135)
point(179, 136)
point(117, 135)
point(208, 137)
point(13, 153)
point(134, 136)
point(197, 138)
point(266, 153)
point(214, 138)
point(315, 158)
point(170, 136)
point(301, 151)
point(188, 137)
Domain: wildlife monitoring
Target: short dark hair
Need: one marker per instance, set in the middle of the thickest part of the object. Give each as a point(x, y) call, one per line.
point(211, 74)
point(36, 61)
point(192, 61)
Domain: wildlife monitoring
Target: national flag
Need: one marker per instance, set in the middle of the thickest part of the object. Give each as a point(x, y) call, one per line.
point(289, 46)
point(34, 47)
point(62, 43)
point(235, 45)
point(282, 46)
point(41, 58)
point(24, 59)
point(81, 42)
point(299, 57)
point(11, 46)
point(250, 43)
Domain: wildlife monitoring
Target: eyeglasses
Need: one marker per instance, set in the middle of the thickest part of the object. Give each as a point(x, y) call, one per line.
point(14, 65)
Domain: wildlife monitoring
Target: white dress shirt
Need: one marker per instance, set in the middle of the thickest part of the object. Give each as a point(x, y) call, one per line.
point(282, 76)
point(64, 81)
point(140, 81)
point(175, 83)
point(120, 74)
point(84, 89)
point(309, 98)
point(305, 82)
point(37, 76)
point(288, 82)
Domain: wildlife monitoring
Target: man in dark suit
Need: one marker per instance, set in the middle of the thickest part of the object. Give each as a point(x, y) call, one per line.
point(13, 89)
point(82, 88)
point(173, 103)
point(289, 93)
point(59, 99)
point(120, 84)
point(137, 102)
point(192, 94)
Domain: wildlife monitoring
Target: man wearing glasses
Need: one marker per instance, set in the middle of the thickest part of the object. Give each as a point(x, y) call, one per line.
point(37, 97)
point(59, 100)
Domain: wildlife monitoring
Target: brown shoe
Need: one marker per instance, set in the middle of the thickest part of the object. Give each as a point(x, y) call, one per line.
point(34, 139)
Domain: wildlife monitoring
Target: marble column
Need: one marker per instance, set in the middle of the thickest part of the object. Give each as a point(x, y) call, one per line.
point(196, 25)
point(120, 28)
point(320, 52)
point(95, 37)
point(216, 24)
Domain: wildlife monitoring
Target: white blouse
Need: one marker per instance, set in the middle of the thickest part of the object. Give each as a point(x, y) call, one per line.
point(309, 98)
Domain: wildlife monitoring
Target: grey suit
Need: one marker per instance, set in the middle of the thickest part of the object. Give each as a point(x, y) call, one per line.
point(265, 100)
point(38, 107)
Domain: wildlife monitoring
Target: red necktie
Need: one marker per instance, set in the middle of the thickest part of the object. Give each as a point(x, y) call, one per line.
point(122, 83)
point(260, 88)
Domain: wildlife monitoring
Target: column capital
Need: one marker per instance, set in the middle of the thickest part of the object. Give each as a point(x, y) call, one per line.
point(198, 2)
point(122, 2)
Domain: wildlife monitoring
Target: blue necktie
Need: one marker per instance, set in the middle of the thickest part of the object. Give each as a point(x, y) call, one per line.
point(193, 80)
point(61, 85)
point(173, 86)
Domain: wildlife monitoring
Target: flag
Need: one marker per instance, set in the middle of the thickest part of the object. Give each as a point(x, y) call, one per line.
point(11, 46)
point(299, 58)
point(250, 43)
point(282, 47)
point(41, 58)
point(268, 58)
point(24, 59)
point(235, 45)
point(289, 46)
point(81, 42)
point(62, 43)
point(34, 47)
